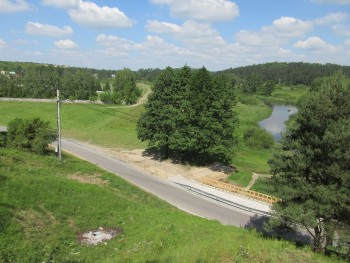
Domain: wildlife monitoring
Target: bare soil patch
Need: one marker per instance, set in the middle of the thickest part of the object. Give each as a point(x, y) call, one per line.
point(97, 236)
point(165, 168)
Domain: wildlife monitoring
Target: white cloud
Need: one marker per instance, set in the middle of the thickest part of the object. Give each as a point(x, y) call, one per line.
point(335, 2)
point(47, 30)
point(191, 32)
point(254, 38)
point(278, 33)
point(116, 45)
point(8, 6)
point(3, 43)
point(202, 10)
point(315, 44)
point(66, 44)
point(343, 30)
point(162, 27)
point(288, 27)
point(92, 15)
point(155, 51)
point(24, 42)
point(65, 4)
point(332, 18)
point(152, 52)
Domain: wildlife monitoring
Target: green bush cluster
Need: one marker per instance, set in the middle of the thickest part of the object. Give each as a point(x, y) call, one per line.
point(33, 134)
point(2, 139)
point(257, 138)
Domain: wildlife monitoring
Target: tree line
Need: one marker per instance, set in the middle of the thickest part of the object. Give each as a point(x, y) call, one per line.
point(40, 81)
point(30, 80)
point(293, 73)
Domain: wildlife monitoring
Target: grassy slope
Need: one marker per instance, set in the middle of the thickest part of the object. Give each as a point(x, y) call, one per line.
point(114, 127)
point(42, 212)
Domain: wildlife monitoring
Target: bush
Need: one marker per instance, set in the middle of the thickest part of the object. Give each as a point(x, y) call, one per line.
point(33, 135)
point(257, 138)
point(2, 139)
point(110, 98)
point(248, 100)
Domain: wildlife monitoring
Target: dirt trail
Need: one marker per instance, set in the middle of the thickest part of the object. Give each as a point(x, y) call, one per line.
point(256, 177)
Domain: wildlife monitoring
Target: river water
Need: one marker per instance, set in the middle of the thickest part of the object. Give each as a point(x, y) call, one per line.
point(275, 124)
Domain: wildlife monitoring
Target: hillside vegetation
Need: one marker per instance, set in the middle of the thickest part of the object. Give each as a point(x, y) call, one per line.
point(45, 205)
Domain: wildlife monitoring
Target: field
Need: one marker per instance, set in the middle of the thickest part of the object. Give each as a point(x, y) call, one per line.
point(45, 205)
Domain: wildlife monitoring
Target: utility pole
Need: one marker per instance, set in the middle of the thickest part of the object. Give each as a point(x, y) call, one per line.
point(59, 126)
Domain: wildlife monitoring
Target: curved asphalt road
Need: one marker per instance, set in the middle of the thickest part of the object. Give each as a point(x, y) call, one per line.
point(162, 188)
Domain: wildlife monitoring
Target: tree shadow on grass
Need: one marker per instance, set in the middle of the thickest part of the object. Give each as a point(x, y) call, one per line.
point(282, 233)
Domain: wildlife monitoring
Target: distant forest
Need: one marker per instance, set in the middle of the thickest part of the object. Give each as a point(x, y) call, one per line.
point(293, 73)
point(35, 80)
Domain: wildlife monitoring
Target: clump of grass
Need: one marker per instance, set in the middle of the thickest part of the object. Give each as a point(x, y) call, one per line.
point(240, 178)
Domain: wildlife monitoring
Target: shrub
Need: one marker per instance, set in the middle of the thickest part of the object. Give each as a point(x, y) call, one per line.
point(257, 138)
point(110, 98)
point(2, 139)
point(248, 100)
point(33, 135)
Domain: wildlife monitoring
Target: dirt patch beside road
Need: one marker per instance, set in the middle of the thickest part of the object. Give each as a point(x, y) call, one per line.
point(164, 168)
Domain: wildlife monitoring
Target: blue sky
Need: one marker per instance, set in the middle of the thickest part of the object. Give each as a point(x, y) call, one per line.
point(217, 34)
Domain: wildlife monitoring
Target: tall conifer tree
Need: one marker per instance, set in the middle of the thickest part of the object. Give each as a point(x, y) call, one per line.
point(312, 170)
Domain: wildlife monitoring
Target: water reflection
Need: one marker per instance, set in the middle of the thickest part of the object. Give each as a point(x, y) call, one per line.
point(275, 124)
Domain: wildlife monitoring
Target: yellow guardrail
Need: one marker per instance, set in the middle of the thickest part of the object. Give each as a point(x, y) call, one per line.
point(240, 190)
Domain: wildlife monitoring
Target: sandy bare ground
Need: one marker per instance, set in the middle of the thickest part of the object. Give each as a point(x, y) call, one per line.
point(164, 168)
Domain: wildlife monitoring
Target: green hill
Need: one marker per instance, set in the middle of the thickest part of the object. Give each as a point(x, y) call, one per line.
point(45, 205)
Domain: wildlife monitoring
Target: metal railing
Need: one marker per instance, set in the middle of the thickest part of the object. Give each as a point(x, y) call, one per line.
point(240, 190)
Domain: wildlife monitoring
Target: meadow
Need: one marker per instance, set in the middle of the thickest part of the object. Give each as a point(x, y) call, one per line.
point(45, 205)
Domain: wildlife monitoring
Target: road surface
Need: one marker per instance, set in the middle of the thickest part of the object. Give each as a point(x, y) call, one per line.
point(162, 188)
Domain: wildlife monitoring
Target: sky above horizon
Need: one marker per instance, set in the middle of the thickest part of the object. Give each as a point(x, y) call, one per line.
point(217, 34)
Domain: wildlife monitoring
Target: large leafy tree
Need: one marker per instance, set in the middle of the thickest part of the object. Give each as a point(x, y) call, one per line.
point(157, 124)
point(190, 115)
point(312, 170)
point(214, 121)
point(125, 86)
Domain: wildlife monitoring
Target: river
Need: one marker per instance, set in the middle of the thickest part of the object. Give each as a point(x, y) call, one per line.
point(275, 124)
